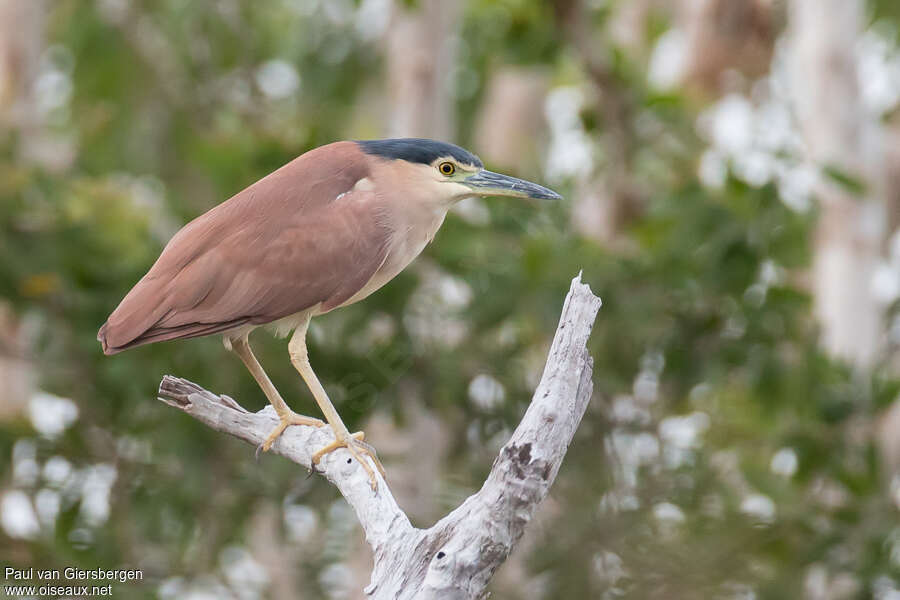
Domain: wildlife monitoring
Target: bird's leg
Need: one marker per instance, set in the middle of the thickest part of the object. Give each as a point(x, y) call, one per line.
point(287, 417)
point(343, 439)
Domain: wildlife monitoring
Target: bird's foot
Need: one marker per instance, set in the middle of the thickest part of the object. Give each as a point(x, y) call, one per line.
point(287, 419)
point(358, 449)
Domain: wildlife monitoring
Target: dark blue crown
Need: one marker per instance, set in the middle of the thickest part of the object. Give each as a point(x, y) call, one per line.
point(418, 150)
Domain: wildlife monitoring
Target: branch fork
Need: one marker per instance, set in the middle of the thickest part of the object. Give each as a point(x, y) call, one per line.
point(456, 557)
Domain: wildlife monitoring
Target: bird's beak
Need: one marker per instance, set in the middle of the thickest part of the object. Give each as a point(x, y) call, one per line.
point(488, 183)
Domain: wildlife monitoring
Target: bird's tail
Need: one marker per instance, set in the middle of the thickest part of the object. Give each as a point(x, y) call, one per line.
point(161, 334)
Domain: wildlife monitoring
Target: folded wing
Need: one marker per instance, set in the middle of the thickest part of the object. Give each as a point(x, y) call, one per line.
point(300, 237)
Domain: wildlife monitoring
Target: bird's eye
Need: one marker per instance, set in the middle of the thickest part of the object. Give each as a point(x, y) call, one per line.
point(447, 168)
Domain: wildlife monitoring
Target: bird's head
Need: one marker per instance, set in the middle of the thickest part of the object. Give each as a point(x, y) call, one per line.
point(447, 172)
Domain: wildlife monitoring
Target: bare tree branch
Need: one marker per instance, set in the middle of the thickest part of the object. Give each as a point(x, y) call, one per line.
point(455, 558)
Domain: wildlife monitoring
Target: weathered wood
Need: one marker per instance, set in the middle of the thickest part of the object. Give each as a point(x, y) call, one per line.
point(455, 558)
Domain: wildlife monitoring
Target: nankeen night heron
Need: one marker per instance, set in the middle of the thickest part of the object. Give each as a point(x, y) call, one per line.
point(323, 231)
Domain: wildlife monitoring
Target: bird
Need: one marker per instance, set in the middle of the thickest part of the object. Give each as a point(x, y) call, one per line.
point(325, 230)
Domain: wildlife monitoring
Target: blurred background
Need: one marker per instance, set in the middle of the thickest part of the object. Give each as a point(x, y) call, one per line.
point(731, 172)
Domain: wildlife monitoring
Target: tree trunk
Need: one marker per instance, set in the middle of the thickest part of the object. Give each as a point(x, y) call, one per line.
point(21, 45)
point(510, 127)
point(420, 60)
point(841, 138)
point(722, 37)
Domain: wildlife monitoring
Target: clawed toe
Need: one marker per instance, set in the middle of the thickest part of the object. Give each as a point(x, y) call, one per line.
point(354, 444)
point(358, 449)
point(286, 421)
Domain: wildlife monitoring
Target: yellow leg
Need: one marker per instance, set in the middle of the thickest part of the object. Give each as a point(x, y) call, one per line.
point(353, 443)
point(287, 417)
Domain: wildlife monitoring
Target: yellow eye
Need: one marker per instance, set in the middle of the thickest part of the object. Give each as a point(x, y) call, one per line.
point(447, 168)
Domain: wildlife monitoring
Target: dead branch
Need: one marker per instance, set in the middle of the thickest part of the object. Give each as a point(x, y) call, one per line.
point(455, 558)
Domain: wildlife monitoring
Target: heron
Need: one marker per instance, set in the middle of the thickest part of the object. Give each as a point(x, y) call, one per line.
point(322, 232)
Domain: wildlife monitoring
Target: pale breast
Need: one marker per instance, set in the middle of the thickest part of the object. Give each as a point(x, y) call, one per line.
point(408, 239)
